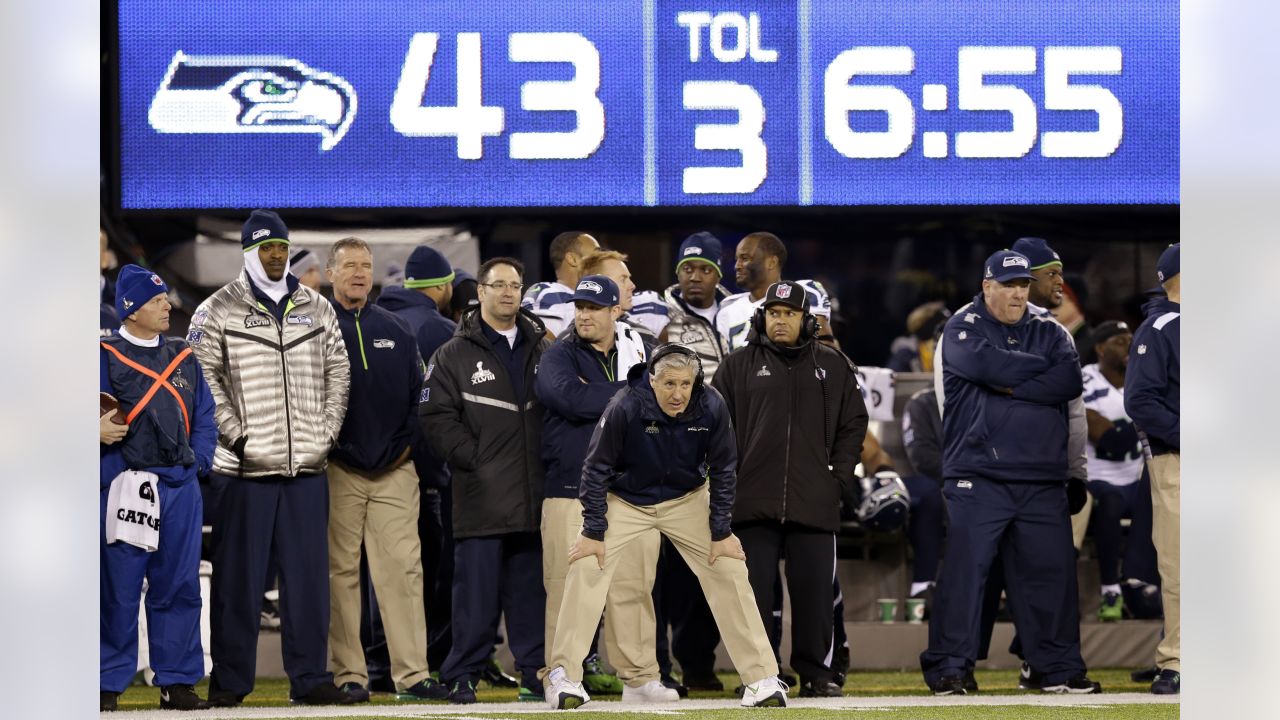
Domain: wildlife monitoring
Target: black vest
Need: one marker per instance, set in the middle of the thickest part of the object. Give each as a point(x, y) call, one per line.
point(158, 436)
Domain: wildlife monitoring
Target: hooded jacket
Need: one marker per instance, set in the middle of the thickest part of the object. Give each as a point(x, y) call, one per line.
point(575, 383)
point(800, 421)
point(695, 332)
point(647, 457)
point(1153, 380)
point(472, 418)
point(430, 329)
point(282, 387)
point(1006, 394)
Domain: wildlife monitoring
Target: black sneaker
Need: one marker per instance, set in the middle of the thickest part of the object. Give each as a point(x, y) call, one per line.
point(970, 683)
point(107, 701)
point(224, 698)
point(324, 694)
point(702, 680)
point(463, 692)
point(949, 685)
point(1029, 679)
point(1077, 685)
point(1145, 676)
point(428, 689)
point(820, 688)
point(493, 674)
point(1168, 682)
point(357, 691)
point(670, 682)
point(181, 697)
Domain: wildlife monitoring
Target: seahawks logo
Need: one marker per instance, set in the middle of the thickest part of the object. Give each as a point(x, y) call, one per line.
point(251, 94)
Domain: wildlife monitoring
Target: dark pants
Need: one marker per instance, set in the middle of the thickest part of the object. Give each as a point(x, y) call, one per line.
point(810, 555)
point(172, 573)
point(497, 575)
point(683, 606)
point(1029, 525)
point(925, 528)
point(285, 518)
point(437, 590)
point(1138, 553)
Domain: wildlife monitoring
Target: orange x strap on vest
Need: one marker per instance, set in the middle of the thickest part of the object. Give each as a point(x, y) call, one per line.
point(161, 380)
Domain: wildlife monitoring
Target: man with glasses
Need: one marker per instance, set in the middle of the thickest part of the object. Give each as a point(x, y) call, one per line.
point(480, 414)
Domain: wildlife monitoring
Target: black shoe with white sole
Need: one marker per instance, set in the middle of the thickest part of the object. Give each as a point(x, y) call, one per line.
point(1029, 679)
point(1077, 685)
point(181, 697)
point(950, 685)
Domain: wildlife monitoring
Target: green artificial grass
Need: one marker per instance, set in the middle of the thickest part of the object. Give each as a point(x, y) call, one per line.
point(275, 693)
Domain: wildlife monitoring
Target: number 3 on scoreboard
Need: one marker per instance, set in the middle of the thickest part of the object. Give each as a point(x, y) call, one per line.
point(742, 137)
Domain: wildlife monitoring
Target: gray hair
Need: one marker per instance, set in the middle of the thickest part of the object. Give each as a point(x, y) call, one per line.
point(346, 242)
point(676, 361)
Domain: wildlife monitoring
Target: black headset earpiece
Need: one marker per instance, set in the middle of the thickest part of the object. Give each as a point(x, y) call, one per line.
point(670, 349)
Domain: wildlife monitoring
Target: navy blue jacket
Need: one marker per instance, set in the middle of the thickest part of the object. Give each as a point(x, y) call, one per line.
point(575, 382)
point(431, 330)
point(988, 431)
point(386, 384)
point(646, 457)
point(1153, 381)
point(158, 441)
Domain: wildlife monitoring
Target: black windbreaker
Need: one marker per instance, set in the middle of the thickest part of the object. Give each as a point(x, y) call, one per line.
point(492, 443)
point(800, 421)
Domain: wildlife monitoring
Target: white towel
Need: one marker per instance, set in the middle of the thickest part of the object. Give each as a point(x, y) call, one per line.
point(877, 386)
point(630, 349)
point(133, 510)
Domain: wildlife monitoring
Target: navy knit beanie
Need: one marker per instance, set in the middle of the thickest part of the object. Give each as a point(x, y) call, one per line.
point(427, 268)
point(1037, 251)
point(135, 286)
point(263, 226)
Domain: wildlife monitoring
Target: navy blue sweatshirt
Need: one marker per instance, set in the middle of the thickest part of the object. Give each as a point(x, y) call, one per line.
point(386, 385)
point(575, 382)
point(646, 457)
point(988, 432)
point(1153, 381)
point(431, 330)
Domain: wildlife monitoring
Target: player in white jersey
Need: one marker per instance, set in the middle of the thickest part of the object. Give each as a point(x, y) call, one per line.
point(1115, 460)
point(550, 300)
point(758, 264)
point(645, 311)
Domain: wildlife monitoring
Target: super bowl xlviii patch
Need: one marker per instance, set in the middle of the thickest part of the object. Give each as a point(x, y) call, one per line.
point(296, 319)
point(256, 320)
point(177, 380)
point(652, 429)
point(481, 375)
point(763, 371)
point(384, 344)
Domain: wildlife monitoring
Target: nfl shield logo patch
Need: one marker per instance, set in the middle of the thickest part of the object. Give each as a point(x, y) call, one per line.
point(784, 292)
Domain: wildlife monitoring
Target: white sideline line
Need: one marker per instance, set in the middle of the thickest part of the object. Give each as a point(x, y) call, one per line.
point(494, 711)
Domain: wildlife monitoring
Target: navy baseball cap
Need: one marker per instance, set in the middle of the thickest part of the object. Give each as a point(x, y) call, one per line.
point(1167, 267)
point(597, 290)
point(1037, 251)
point(1007, 265)
point(787, 293)
point(701, 246)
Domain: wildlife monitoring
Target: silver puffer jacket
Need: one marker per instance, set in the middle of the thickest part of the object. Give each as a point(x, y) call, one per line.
point(695, 332)
point(284, 388)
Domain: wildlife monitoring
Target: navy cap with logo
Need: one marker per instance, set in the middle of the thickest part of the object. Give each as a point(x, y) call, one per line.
point(263, 226)
point(1167, 267)
point(1037, 251)
point(1108, 330)
point(787, 293)
point(701, 246)
point(1007, 265)
point(135, 286)
point(597, 290)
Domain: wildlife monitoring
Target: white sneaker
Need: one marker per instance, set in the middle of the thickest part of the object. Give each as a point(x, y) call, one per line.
point(650, 692)
point(563, 693)
point(769, 692)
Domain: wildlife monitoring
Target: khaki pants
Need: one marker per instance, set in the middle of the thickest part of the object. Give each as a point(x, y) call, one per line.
point(382, 512)
point(630, 626)
point(1080, 522)
point(684, 522)
point(1166, 490)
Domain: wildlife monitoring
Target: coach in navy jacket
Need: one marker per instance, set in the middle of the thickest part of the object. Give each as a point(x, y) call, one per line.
point(1008, 375)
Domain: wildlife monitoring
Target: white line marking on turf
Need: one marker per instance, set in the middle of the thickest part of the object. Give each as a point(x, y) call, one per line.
point(502, 710)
